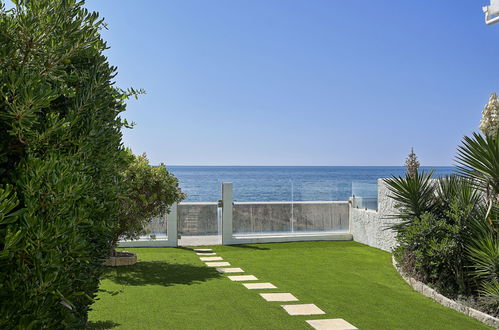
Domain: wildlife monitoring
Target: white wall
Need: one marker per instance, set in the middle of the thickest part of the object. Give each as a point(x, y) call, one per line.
point(371, 227)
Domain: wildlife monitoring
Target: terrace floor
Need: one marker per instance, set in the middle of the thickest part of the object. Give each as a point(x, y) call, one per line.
point(171, 288)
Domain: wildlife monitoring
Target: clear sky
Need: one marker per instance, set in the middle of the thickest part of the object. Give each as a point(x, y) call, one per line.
point(267, 82)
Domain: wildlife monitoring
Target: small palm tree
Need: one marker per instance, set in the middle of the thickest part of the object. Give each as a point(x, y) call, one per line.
point(478, 160)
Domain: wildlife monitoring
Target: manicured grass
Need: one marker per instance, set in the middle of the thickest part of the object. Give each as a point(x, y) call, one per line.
point(172, 289)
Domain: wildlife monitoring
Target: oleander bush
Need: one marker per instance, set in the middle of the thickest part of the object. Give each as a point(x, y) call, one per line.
point(62, 163)
point(148, 192)
point(448, 233)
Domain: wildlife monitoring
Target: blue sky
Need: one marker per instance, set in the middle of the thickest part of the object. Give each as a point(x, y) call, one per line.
point(267, 82)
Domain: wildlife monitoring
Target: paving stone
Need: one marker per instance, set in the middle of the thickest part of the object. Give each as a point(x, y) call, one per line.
point(331, 324)
point(254, 286)
point(230, 270)
point(303, 309)
point(206, 254)
point(239, 278)
point(211, 258)
point(278, 297)
point(217, 264)
point(203, 250)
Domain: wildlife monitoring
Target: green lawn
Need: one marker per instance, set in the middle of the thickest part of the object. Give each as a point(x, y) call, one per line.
point(170, 288)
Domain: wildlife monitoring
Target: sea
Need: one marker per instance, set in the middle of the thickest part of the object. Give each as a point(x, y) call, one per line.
point(287, 183)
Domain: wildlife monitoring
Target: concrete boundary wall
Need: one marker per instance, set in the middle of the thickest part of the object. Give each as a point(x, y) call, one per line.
point(197, 219)
point(261, 222)
point(291, 237)
point(252, 222)
point(231, 238)
point(290, 217)
point(372, 227)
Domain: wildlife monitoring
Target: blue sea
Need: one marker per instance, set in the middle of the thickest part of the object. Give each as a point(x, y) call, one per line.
point(286, 183)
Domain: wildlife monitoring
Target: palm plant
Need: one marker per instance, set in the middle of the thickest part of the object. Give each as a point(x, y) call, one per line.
point(455, 189)
point(449, 229)
point(478, 159)
point(414, 195)
point(484, 254)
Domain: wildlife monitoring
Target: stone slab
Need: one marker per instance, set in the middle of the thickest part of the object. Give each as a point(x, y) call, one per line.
point(331, 324)
point(278, 297)
point(200, 240)
point(255, 286)
point(203, 250)
point(230, 270)
point(239, 278)
point(211, 258)
point(206, 254)
point(303, 309)
point(217, 264)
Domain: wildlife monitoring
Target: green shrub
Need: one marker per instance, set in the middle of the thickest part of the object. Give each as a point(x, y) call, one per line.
point(148, 192)
point(62, 154)
point(432, 251)
point(448, 236)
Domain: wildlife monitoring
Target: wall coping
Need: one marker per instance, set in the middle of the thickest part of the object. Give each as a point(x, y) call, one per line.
point(443, 300)
point(198, 203)
point(290, 202)
point(364, 210)
point(273, 202)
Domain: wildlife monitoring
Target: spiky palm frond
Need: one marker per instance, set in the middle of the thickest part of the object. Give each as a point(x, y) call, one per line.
point(414, 196)
point(484, 253)
point(491, 290)
point(455, 189)
point(478, 159)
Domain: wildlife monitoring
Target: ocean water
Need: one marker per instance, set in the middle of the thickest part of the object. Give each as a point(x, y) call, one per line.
point(286, 183)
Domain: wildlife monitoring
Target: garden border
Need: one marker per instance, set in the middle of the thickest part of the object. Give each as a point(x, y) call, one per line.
point(443, 300)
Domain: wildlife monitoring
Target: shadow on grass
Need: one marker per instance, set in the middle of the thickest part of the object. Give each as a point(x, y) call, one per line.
point(160, 273)
point(244, 246)
point(186, 248)
point(111, 292)
point(101, 325)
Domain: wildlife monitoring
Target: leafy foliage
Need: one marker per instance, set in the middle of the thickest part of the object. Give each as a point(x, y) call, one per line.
point(432, 245)
point(149, 192)
point(448, 235)
point(61, 162)
point(432, 253)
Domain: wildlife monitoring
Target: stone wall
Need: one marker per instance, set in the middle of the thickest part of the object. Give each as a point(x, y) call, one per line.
point(372, 227)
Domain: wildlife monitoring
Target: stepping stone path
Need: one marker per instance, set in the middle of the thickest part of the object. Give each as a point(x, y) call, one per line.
point(210, 258)
point(217, 264)
point(230, 270)
point(256, 286)
point(241, 278)
point(304, 309)
point(296, 309)
point(278, 297)
point(331, 324)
